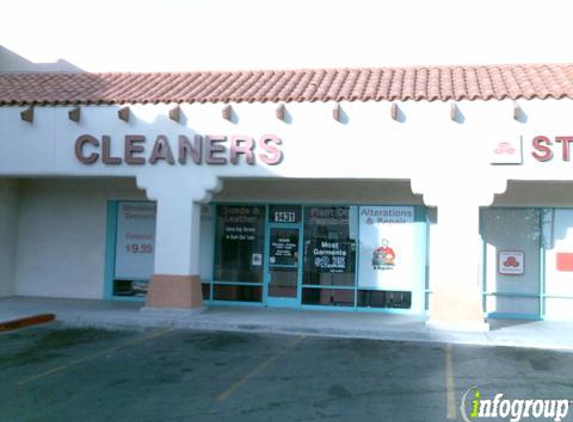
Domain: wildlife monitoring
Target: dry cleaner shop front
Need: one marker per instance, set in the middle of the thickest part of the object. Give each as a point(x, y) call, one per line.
point(311, 256)
point(368, 257)
point(444, 190)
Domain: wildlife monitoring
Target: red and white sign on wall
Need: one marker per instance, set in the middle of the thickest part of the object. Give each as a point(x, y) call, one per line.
point(564, 261)
point(507, 151)
point(546, 148)
point(511, 262)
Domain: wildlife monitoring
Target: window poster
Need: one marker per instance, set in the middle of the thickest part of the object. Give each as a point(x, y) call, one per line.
point(284, 247)
point(330, 256)
point(328, 246)
point(511, 262)
point(387, 248)
point(239, 243)
point(135, 242)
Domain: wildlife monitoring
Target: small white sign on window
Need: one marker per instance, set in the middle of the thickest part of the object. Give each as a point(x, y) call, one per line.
point(257, 260)
point(511, 262)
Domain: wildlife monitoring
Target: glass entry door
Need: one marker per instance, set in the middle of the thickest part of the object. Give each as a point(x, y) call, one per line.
point(283, 273)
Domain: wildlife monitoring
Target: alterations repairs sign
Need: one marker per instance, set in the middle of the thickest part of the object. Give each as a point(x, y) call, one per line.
point(135, 243)
point(387, 248)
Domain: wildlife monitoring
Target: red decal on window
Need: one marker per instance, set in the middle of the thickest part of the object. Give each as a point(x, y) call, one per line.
point(565, 261)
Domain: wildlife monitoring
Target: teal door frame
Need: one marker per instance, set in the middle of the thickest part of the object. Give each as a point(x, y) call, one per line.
point(270, 301)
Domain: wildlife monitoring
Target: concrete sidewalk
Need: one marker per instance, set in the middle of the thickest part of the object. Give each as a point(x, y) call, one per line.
point(126, 315)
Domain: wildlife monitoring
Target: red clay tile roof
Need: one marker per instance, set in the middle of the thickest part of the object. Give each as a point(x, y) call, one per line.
point(383, 84)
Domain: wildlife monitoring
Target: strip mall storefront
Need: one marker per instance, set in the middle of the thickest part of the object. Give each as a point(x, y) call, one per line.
point(284, 255)
point(359, 190)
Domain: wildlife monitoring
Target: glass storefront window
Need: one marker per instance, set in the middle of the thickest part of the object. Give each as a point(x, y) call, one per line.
point(239, 243)
point(131, 288)
point(557, 228)
point(387, 248)
point(134, 248)
point(384, 299)
point(237, 293)
point(206, 290)
point(329, 246)
point(284, 283)
point(512, 260)
point(350, 256)
point(327, 297)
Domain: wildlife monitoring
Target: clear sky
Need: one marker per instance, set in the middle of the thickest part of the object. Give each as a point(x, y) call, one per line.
point(179, 35)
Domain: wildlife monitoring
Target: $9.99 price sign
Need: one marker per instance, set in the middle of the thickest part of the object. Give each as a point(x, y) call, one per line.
point(139, 248)
point(135, 241)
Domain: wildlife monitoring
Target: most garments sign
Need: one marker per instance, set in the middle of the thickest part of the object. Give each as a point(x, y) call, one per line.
point(387, 248)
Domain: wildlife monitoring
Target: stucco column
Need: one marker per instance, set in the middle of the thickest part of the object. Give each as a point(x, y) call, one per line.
point(456, 299)
point(176, 283)
point(458, 192)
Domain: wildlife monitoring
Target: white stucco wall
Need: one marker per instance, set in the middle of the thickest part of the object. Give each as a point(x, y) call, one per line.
point(61, 240)
point(9, 204)
point(366, 144)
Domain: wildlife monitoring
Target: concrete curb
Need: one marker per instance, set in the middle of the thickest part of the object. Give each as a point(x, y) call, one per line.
point(112, 322)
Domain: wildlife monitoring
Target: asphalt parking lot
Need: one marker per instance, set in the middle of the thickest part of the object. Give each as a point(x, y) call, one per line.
point(50, 373)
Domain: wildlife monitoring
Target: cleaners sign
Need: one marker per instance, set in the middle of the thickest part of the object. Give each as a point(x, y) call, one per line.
point(387, 248)
point(208, 149)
